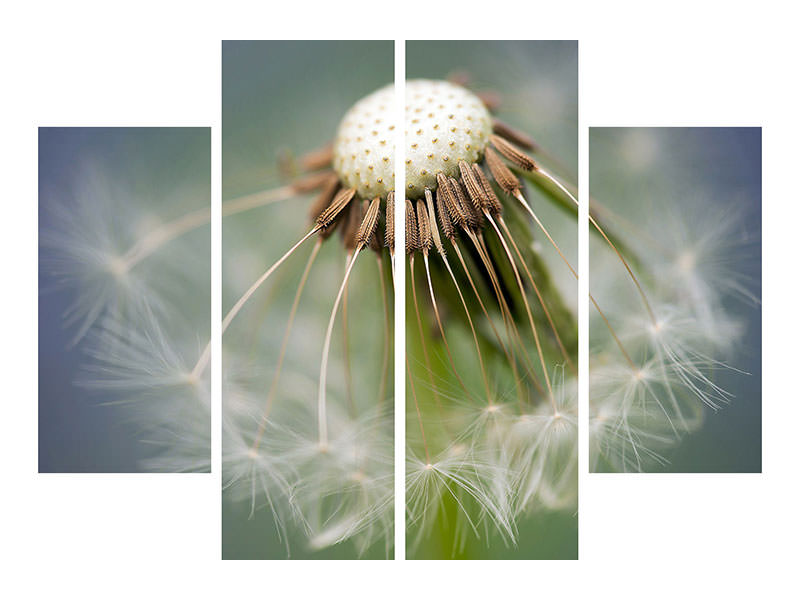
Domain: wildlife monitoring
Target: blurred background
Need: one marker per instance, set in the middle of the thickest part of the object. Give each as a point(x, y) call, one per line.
point(632, 171)
point(536, 83)
point(155, 174)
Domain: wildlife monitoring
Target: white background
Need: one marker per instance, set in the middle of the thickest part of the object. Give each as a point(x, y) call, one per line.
point(158, 63)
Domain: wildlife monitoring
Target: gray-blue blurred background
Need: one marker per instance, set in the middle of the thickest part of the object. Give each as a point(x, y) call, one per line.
point(77, 432)
point(633, 167)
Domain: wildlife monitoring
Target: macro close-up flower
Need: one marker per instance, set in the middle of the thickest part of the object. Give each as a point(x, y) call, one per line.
point(675, 276)
point(307, 423)
point(491, 326)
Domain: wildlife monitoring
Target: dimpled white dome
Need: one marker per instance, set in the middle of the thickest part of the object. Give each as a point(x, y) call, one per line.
point(363, 155)
point(445, 124)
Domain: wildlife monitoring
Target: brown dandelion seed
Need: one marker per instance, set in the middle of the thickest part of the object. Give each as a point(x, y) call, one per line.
point(473, 218)
point(512, 153)
point(412, 236)
point(389, 234)
point(369, 223)
point(448, 230)
point(340, 201)
point(324, 198)
point(450, 201)
point(437, 240)
point(423, 227)
point(501, 173)
point(352, 222)
point(474, 188)
point(493, 203)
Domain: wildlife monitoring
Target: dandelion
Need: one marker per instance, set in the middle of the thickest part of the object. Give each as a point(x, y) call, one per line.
point(329, 460)
point(98, 247)
point(146, 371)
point(314, 443)
point(492, 429)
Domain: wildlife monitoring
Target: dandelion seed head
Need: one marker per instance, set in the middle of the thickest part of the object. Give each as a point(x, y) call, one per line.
point(445, 124)
point(144, 370)
point(88, 237)
point(629, 431)
point(363, 151)
point(346, 493)
point(704, 258)
point(83, 249)
point(469, 481)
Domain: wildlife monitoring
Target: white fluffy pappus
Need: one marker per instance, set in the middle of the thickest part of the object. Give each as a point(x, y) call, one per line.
point(139, 305)
point(655, 365)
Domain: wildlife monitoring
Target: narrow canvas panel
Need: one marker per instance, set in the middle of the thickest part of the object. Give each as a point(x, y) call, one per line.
point(307, 300)
point(125, 299)
point(491, 317)
point(675, 270)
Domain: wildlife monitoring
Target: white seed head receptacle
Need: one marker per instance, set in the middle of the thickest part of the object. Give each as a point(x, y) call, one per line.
point(445, 124)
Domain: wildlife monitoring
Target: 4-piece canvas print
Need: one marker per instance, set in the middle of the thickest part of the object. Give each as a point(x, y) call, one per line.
point(490, 218)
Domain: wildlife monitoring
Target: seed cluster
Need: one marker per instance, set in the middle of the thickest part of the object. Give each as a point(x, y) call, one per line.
point(363, 152)
point(445, 124)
